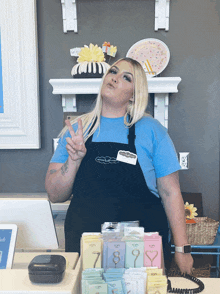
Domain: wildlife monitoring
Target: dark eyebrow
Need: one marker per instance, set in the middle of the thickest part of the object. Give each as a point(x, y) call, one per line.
point(127, 72)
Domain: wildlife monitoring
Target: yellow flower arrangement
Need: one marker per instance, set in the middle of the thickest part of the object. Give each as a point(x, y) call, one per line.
point(93, 53)
point(190, 211)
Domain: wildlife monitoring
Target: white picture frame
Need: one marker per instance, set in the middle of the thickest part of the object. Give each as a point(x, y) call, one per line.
point(20, 122)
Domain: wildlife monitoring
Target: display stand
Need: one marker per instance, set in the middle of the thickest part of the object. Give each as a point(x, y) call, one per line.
point(71, 282)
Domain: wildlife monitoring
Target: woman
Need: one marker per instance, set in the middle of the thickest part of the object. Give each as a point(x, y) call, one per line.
point(120, 165)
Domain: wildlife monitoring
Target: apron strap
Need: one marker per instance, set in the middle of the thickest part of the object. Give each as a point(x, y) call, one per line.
point(90, 138)
point(131, 135)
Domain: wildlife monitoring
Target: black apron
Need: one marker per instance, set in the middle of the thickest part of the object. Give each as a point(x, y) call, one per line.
point(107, 190)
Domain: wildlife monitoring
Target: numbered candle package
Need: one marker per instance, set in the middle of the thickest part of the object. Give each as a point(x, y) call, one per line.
point(134, 254)
point(113, 254)
point(91, 250)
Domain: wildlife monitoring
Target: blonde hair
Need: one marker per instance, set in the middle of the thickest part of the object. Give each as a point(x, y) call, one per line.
point(136, 108)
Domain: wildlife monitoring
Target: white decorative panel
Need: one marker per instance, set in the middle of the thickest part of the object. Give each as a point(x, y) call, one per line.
point(19, 123)
point(162, 13)
point(69, 15)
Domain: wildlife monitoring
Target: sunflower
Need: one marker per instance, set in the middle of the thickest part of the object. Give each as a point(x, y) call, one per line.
point(190, 211)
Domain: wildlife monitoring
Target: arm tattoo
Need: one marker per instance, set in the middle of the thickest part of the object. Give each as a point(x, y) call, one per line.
point(64, 168)
point(52, 171)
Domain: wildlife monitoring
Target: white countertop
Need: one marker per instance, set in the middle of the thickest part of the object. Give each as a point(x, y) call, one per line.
point(61, 207)
point(16, 280)
point(212, 285)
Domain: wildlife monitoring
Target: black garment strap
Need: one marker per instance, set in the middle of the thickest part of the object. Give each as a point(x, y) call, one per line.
point(131, 135)
point(90, 138)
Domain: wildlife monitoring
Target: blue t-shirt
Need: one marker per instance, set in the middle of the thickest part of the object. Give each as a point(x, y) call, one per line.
point(155, 150)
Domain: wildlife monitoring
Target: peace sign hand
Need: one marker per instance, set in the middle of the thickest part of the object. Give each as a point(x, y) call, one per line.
point(75, 145)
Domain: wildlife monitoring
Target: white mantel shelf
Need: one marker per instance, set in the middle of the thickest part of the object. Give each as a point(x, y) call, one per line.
point(160, 86)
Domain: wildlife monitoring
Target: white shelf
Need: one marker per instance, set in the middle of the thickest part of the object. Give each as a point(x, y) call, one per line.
point(91, 86)
point(160, 86)
point(69, 15)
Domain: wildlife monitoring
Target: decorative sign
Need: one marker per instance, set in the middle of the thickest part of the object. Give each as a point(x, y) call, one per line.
point(1, 82)
point(152, 54)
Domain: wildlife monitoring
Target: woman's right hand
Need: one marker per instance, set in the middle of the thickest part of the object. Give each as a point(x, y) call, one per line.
point(75, 145)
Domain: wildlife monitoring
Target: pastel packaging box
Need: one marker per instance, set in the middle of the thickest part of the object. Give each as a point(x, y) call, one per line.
point(98, 288)
point(153, 250)
point(91, 248)
point(134, 256)
point(105, 256)
point(115, 254)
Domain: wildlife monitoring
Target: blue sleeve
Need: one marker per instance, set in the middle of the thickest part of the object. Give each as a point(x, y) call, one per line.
point(60, 155)
point(165, 158)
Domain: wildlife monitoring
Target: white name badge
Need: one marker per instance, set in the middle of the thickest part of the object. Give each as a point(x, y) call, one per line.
point(127, 157)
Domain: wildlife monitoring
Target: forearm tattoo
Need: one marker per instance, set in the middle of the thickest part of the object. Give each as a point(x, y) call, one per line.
point(52, 171)
point(64, 168)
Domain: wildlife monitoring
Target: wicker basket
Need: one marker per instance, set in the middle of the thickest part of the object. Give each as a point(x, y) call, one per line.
point(203, 232)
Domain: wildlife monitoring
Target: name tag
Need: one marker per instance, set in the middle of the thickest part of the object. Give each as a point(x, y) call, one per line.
point(127, 157)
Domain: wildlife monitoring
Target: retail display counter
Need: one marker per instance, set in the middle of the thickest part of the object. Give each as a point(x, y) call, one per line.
point(16, 280)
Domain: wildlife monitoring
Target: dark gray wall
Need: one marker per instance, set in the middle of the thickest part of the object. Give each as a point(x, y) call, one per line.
point(194, 43)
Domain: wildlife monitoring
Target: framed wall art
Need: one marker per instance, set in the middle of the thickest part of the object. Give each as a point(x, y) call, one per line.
point(19, 115)
point(1, 84)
